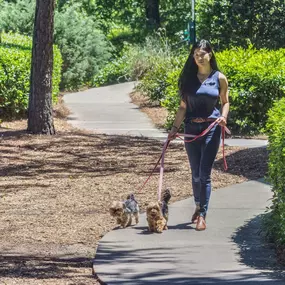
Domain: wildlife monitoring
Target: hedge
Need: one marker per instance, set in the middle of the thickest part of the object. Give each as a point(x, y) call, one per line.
point(15, 66)
point(256, 79)
point(276, 165)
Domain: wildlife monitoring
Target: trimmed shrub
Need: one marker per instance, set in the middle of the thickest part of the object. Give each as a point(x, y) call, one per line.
point(276, 134)
point(15, 66)
point(256, 79)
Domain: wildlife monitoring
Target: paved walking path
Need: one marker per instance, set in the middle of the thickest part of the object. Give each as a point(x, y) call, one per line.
point(231, 250)
point(109, 110)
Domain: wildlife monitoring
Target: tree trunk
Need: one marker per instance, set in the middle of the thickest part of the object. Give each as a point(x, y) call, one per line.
point(40, 118)
point(152, 13)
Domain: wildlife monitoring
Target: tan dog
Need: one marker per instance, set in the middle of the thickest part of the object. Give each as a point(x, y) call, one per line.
point(157, 213)
point(155, 219)
point(123, 211)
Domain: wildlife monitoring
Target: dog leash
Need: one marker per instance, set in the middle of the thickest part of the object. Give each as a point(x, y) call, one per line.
point(180, 136)
point(194, 137)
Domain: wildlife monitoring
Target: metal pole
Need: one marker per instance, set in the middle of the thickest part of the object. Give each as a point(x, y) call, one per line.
point(193, 24)
point(193, 10)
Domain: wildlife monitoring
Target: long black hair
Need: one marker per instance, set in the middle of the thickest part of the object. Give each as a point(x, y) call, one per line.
point(190, 69)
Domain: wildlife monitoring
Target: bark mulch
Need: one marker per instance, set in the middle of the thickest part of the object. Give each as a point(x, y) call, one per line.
point(56, 190)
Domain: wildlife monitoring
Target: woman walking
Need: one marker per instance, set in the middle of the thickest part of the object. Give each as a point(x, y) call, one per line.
point(201, 85)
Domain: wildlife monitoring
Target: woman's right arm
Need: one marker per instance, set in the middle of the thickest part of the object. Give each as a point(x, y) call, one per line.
point(180, 115)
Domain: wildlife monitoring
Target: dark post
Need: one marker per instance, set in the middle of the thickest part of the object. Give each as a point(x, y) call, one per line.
point(192, 25)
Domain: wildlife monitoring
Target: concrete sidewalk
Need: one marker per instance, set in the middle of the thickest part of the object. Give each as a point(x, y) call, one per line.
point(108, 110)
point(230, 251)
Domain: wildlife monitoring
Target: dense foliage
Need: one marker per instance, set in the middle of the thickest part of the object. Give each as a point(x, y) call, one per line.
point(256, 79)
point(240, 22)
point(85, 31)
point(254, 85)
point(18, 16)
point(15, 65)
point(134, 62)
point(276, 132)
point(83, 45)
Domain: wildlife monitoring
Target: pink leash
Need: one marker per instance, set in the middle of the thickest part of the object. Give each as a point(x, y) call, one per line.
point(180, 136)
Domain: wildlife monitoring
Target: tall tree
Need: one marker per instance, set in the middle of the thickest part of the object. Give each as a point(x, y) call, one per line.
point(40, 119)
point(152, 13)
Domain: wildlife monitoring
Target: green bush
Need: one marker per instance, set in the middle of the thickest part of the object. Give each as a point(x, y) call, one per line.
point(83, 46)
point(120, 35)
point(15, 66)
point(135, 62)
point(171, 99)
point(117, 71)
point(18, 16)
point(276, 134)
point(154, 83)
point(256, 79)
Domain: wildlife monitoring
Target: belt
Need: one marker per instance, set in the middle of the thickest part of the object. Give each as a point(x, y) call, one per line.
point(202, 120)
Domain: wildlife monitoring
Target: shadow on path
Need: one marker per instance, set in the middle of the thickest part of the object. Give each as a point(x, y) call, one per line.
point(255, 251)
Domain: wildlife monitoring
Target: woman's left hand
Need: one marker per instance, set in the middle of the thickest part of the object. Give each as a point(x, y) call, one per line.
point(222, 121)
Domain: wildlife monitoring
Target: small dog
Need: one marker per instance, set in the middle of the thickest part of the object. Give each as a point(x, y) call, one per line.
point(124, 211)
point(157, 213)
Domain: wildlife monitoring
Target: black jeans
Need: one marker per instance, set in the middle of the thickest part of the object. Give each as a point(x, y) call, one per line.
point(201, 154)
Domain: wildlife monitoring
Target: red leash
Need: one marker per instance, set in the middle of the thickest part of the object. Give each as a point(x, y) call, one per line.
point(180, 136)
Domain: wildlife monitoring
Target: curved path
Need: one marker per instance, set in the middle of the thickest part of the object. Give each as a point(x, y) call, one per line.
point(108, 110)
point(231, 250)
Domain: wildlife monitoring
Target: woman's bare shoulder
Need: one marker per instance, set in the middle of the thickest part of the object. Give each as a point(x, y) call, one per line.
point(223, 79)
point(222, 76)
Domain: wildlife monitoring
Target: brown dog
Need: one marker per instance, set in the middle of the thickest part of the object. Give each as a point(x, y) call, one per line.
point(124, 211)
point(157, 213)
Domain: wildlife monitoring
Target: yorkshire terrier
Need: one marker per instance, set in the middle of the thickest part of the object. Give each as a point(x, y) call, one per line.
point(124, 211)
point(157, 213)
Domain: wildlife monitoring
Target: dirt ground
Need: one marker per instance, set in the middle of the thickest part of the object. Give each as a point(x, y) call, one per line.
point(56, 190)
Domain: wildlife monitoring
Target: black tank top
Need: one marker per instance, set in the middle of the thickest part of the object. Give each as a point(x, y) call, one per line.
point(202, 98)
